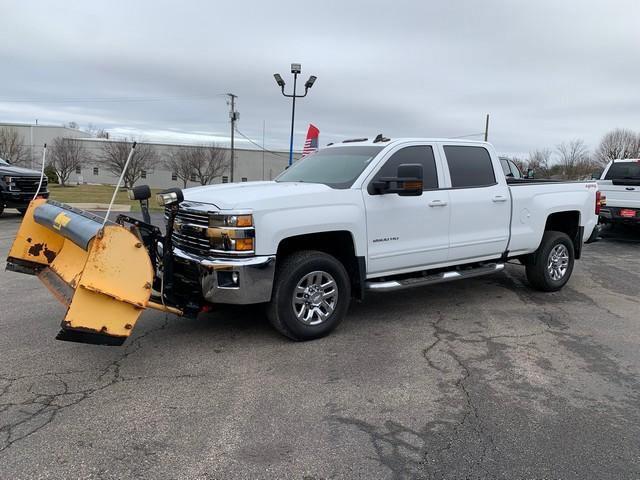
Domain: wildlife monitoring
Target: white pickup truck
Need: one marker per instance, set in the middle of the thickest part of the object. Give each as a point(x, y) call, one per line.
point(366, 215)
point(620, 182)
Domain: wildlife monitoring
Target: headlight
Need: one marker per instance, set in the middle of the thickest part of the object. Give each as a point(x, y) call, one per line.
point(231, 221)
point(233, 233)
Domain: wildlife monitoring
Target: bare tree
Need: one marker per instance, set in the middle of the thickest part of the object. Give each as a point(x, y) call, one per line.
point(97, 132)
point(12, 147)
point(114, 156)
point(539, 161)
point(574, 159)
point(208, 162)
point(65, 156)
point(73, 125)
point(178, 160)
point(617, 144)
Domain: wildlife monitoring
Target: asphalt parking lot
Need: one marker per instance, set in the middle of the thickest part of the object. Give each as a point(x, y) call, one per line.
point(483, 378)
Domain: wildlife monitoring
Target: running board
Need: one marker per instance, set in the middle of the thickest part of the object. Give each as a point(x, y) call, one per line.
point(442, 277)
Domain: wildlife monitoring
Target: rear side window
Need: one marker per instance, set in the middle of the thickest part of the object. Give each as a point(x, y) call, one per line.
point(515, 171)
point(422, 154)
point(469, 166)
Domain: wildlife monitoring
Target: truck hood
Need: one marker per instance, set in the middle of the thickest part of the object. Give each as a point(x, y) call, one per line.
point(250, 194)
point(11, 170)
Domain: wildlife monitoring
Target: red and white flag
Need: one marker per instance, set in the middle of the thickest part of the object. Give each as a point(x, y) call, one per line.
point(311, 143)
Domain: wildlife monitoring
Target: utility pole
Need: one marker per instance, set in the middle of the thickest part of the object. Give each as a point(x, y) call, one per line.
point(486, 129)
point(233, 116)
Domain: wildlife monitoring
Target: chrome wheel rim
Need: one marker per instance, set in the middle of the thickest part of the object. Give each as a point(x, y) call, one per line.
point(558, 262)
point(315, 298)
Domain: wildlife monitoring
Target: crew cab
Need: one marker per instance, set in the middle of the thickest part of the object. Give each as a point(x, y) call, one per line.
point(620, 182)
point(18, 186)
point(368, 216)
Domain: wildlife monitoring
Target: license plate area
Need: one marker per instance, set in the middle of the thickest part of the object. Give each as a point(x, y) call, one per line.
point(627, 213)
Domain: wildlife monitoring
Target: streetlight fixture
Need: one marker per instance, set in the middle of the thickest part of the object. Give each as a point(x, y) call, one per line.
point(296, 69)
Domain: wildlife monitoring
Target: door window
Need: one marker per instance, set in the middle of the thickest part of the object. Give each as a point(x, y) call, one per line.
point(469, 166)
point(420, 154)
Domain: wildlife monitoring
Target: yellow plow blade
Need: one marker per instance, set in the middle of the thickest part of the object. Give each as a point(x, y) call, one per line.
point(102, 275)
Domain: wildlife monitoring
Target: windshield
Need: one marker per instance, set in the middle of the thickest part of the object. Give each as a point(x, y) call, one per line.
point(336, 167)
point(623, 170)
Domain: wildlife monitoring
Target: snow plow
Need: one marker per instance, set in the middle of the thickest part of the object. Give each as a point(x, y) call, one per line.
point(101, 271)
point(105, 273)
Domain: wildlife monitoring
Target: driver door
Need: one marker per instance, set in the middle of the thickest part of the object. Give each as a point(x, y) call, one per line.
point(412, 232)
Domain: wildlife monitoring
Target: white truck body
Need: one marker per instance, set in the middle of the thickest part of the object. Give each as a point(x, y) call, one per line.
point(620, 182)
point(372, 215)
point(395, 234)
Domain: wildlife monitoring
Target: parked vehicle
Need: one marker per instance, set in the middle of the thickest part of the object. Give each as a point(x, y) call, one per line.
point(18, 185)
point(620, 182)
point(511, 170)
point(356, 217)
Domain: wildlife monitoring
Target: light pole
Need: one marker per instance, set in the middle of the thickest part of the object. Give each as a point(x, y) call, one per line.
point(296, 69)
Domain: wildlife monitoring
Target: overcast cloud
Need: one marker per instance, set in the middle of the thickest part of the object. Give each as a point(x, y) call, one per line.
point(546, 71)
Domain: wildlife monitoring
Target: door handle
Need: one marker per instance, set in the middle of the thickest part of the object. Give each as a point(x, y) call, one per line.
point(437, 203)
point(499, 198)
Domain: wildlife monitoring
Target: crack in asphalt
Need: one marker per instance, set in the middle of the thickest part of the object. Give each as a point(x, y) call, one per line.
point(42, 409)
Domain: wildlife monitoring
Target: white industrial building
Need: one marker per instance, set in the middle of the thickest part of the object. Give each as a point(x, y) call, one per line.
point(249, 164)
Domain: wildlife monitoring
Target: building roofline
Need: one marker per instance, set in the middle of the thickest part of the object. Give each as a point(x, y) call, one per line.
point(191, 145)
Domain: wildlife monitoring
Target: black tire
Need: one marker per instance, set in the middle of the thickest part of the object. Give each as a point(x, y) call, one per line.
point(541, 271)
point(293, 270)
point(1, 207)
point(22, 211)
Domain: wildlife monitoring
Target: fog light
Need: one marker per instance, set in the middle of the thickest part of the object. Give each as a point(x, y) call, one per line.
point(227, 279)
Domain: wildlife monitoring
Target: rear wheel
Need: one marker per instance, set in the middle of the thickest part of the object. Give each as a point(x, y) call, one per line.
point(553, 262)
point(311, 295)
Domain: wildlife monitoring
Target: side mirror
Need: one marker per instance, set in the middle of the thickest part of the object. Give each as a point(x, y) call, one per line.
point(530, 173)
point(407, 183)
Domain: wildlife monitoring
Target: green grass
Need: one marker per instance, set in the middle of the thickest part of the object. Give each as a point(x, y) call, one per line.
point(97, 194)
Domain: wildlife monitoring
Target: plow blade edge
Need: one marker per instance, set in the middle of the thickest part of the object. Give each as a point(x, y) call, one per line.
point(103, 275)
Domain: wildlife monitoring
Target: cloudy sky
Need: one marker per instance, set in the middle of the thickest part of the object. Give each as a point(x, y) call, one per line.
point(546, 70)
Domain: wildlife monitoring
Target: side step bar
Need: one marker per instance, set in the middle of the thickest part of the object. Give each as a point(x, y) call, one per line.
point(391, 285)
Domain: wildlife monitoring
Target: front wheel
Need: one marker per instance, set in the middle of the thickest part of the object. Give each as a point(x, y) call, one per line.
point(311, 295)
point(552, 263)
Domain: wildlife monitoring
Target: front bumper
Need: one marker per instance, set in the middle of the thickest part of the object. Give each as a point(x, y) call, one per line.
point(254, 274)
point(19, 199)
point(612, 214)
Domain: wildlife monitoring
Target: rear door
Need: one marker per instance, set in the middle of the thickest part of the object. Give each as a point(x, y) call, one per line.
point(407, 233)
point(480, 203)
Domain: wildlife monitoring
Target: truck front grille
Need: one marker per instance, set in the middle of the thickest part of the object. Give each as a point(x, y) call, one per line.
point(27, 184)
point(190, 230)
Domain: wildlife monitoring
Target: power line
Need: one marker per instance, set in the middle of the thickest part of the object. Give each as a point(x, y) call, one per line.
point(261, 147)
point(470, 135)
